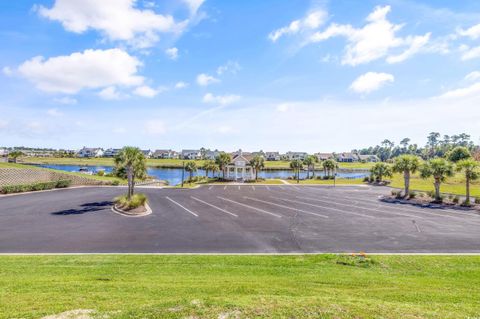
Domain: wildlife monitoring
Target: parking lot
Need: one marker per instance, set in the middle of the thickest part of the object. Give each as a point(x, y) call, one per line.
point(232, 219)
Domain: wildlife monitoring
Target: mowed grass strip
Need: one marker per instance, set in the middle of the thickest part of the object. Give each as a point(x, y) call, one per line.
point(313, 286)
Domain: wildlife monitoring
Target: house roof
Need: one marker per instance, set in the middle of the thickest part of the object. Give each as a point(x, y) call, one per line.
point(243, 157)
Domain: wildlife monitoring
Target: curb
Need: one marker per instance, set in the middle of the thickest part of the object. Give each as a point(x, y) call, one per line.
point(127, 214)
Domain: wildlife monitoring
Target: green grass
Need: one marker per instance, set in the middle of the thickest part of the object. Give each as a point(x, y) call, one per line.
point(339, 181)
point(165, 162)
point(453, 185)
point(314, 286)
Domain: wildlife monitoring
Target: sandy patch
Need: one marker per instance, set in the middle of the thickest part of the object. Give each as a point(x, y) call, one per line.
point(73, 314)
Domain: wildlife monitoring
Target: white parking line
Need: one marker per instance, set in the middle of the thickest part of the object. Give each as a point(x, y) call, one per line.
point(180, 205)
point(354, 206)
point(211, 205)
point(287, 207)
point(281, 187)
point(239, 187)
point(253, 187)
point(268, 187)
point(225, 187)
point(210, 187)
point(251, 207)
point(330, 208)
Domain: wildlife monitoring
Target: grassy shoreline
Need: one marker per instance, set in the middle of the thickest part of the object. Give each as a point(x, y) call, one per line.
point(206, 286)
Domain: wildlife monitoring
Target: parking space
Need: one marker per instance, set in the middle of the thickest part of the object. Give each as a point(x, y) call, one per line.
point(233, 219)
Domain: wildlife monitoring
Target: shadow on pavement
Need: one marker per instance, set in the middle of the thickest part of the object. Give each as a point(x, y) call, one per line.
point(85, 208)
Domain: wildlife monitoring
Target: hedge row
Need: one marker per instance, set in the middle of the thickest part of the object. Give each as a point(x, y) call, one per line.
point(35, 187)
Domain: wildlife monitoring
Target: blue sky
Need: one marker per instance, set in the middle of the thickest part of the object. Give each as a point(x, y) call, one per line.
point(272, 75)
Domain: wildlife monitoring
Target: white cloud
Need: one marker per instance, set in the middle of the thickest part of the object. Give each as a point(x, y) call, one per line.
point(81, 70)
point(146, 91)
point(7, 71)
point(375, 40)
point(110, 93)
point(371, 81)
point(225, 129)
point(115, 19)
point(466, 92)
point(475, 75)
point(231, 67)
point(119, 130)
point(3, 124)
point(472, 32)
point(470, 53)
point(172, 53)
point(54, 112)
point(181, 85)
point(194, 5)
point(205, 79)
point(311, 21)
point(65, 100)
point(220, 99)
point(284, 107)
point(155, 127)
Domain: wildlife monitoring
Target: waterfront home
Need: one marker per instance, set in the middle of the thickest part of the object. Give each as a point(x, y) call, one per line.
point(324, 156)
point(296, 156)
point(147, 153)
point(90, 152)
point(240, 152)
point(111, 152)
point(211, 155)
point(191, 154)
point(369, 158)
point(272, 156)
point(165, 154)
point(239, 169)
point(3, 155)
point(347, 157)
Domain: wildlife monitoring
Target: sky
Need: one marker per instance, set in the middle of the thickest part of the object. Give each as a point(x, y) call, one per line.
point(272, 75)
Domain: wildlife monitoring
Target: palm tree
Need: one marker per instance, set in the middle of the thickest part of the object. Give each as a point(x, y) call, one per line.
point(380, 170)
point(210, 166)
point(329, 166)
point(133, 162)
point(222, 160)
point(258, 162)
point(191, 167)
point(296, 165)
point(406, 164)
point(470, 169)
point(310, 161)
point(440, 169)
point(15, 155)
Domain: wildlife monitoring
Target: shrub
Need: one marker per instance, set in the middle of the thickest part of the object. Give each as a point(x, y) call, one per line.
point(412, 195)
point(366, 179)
point(63, 183)
point(115, 183)
point(477, 200)
point(34, 187)
point(136, 201)
point(456, 200)
point(101, 173)
point(431, 194)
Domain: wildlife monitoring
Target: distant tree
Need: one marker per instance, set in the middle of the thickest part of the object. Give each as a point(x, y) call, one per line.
point(458, 153)
point(131, 161)
point(191, 167)
point(470, 168)
point(15, 155)
point(258, 162)
point(404, 144)
point(210, 166)
point(440, 169)
point(329, 167)
point(406, 164)
point(222, 160)
point(296, 165)
point(381, 170)
point(310, 161)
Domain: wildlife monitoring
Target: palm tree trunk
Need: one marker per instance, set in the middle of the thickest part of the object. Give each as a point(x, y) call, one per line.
point(406, 179)
point(313, 171)
point(130, 184)
point(467, 199)
point(437, 189)
point(256, 174)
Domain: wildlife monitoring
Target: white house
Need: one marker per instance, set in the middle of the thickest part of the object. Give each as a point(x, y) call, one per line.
point(211, 155)
point(324, 156)
point(147, 153)
point(296, 156)
point(111, 152)
point(191, 154)
point(368, 158)
point(240, 169)
point(347, 157)
point(90, 152)
point(165, 154)
point(272, 156)
point(3, 155)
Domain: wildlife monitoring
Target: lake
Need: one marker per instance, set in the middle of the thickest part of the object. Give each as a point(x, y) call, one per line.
point(174, 175)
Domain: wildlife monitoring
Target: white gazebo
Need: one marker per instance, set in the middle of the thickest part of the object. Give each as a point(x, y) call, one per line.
point(240, 169)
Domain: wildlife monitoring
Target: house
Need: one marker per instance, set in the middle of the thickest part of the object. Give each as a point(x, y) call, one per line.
point(272, 156)
point(90, 152)
point(211, 155)
point(369, 158)
point(165, 154)
point(111, 152)
point(296, 156)
point(3, 155)
point(147, 153)
point(324, 156)
point(239, 169)
point(191, 154)
point(347, 157)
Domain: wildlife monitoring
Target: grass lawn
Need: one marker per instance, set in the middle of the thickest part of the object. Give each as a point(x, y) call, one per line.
point(165, 162)
point(453, 185)
point(314, 286)
point(340, 181)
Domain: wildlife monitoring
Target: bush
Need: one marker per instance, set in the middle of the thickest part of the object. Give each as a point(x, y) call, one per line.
point(456, 200)
point(101, 173)
point(477, 200)
point(115, 183)
point(412, 195)
point(136, 201)
point(34, 187)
